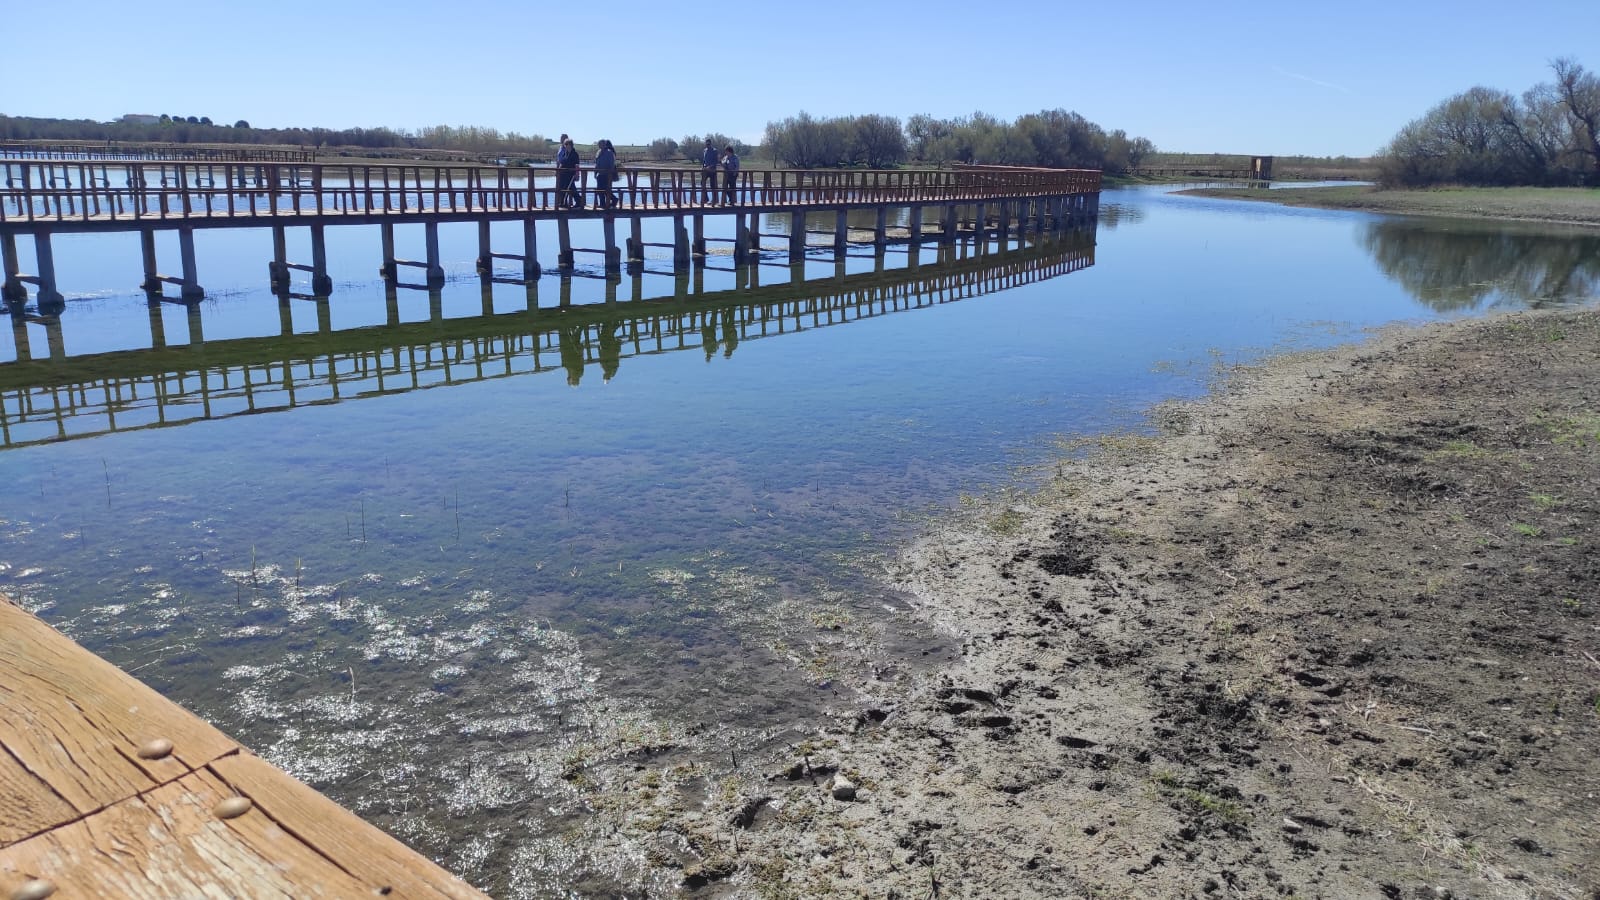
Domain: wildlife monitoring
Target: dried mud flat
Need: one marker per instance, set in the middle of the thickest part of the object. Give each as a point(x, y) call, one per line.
point(1330, 633)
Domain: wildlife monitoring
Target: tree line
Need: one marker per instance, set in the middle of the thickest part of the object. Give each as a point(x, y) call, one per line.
point(1054, 137)
point(201, 130)
point(1548, 136)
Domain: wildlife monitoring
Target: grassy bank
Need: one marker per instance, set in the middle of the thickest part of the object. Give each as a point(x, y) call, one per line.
point(1572, 206)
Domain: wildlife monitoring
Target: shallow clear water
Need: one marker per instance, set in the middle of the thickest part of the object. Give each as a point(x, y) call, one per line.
point(503, 533)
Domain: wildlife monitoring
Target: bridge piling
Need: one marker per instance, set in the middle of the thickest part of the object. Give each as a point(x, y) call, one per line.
point(680, 244)
point(435, 270)
point(277, 269)
point(797, 235)
point(613, 255)
point(841, 231)
point(947, 224)
point(49, 297)
point(741, 239)
point(321, 283)
point(699, 235)
point(530, 251)
point(485, 251)
point(389, 269)
point(636, 239)
point(563, 245)
point(12, 290)
point(916, 226)
point(880, 232)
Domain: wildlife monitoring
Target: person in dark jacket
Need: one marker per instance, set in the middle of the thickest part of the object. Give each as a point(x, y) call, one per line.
point(708, 172)
point(567, 175)
point(730, 175)
point(605, 175)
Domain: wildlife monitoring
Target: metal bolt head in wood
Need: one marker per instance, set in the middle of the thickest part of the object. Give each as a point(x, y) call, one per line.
point(232, 808)
point(37, 889)
point(158, 748)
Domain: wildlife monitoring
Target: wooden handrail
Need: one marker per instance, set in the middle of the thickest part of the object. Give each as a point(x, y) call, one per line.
point(47, 191)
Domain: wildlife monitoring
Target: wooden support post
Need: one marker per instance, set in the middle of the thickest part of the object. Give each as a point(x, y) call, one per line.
point(530, 250)
point(435, 270)
point(564, 244)
point(680, 244)
point(12, 290)
point(191, 280)
point(485, 247)
point(636, 239)
point(947, 224)
point(49, 299)
point(1003, 224)
point(841, 230)
point(916, 225)
point(741, 239)
point(700, 236)
point(321, 283)
point(391, 304)
point(613, 254)
point(386, 230)
point(147, 256)
point(277, 269)
point(755, 236)
point(980, 222)
point(797, 235)
point(880, 231)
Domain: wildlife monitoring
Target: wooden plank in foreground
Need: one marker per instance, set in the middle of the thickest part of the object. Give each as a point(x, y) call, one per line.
point(81, 809)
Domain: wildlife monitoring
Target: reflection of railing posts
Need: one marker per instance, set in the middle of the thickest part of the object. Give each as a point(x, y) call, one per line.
point(19, 338)
point(197, 332)
point(53, 338)
point(158, 327)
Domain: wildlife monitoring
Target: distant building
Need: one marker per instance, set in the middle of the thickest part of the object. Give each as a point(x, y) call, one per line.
point(140, 119)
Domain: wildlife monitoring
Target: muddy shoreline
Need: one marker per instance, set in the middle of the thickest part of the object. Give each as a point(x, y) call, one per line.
point(1329, 632)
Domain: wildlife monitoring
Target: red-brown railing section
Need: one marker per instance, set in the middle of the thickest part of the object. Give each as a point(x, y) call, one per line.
point(46, 191)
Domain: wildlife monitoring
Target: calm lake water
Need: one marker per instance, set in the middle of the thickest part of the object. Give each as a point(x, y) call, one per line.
point(426, 549)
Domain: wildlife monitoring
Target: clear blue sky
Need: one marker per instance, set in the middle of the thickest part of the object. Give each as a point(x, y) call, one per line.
point(1322, 79)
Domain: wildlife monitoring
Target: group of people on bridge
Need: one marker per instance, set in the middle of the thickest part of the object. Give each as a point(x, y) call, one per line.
point(569, 195)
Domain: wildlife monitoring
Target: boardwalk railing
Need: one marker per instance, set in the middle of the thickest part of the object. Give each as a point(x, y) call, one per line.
point(139, 150)
point(59, 195)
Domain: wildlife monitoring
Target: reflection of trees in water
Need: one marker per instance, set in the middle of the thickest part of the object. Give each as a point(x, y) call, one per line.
point(1470, 264)
point(1114, 214)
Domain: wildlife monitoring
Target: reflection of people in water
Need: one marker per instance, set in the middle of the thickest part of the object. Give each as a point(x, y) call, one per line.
point(571, 338)
point(610, 350)
point(730, 333)
point(708, 335)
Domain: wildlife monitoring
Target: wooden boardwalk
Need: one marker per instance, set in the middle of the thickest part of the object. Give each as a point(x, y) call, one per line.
point(41, 198)
point(107, 789)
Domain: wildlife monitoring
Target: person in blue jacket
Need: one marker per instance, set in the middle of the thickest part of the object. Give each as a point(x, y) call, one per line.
point(605, 175)
point(566, 175)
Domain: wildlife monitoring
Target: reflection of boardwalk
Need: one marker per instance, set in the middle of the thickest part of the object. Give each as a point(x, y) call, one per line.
point(107, 789)
point(70, 397)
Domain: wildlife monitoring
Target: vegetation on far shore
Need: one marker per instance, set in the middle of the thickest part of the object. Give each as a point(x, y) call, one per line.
point(1573, 206)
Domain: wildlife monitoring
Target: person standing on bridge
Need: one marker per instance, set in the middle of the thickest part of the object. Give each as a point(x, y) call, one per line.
point(708, 172)
point(605, 175)
point(567, 196)
point(730, 175)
